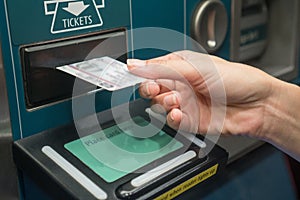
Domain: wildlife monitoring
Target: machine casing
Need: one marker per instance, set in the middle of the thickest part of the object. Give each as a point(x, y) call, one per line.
point(31, 26)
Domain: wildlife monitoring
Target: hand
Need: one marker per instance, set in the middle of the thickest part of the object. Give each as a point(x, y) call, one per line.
point(193, 88)
point(180, 76)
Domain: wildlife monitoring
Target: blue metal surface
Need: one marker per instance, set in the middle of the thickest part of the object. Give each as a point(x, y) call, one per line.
point(262, 174)
point(26, 123)
point(166, 15)
point(25, 29)
point(28, 28)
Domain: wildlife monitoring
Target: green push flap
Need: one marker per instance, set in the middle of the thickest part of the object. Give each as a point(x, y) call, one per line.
point(121, 149)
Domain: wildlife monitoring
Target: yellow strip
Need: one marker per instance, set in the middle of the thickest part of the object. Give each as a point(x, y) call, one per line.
point(188, 184)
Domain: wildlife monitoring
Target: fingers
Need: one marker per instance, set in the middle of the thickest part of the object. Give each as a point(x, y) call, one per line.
point(150, 89)
point(174, 118)
point(167, 102)
point(179, 120)
point(178, 117)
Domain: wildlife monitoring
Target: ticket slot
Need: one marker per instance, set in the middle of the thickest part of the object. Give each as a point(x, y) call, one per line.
point(43, 84)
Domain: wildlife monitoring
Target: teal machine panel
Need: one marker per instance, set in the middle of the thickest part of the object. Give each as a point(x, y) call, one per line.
point(37, 36)
point(46, 24)
point(51, 23)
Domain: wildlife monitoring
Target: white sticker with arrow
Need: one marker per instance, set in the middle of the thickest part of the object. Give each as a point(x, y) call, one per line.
point(76, 8)
point(71, 15)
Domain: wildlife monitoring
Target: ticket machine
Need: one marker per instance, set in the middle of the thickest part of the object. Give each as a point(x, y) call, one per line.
point(39, 36)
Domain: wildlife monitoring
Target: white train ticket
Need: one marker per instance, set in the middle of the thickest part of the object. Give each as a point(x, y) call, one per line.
point(104, 72)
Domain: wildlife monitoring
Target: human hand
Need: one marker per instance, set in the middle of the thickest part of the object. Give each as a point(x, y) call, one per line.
point(235, 92)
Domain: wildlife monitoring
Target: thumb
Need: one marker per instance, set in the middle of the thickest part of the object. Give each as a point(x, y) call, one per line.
point(161, 69)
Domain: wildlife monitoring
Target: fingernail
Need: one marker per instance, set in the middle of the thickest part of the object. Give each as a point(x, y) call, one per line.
point(175, 114)
point(147, 89)
point(136, 62)
point(172, 116)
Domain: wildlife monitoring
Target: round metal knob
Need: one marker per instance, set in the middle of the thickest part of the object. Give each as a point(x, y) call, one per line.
point(209, 24)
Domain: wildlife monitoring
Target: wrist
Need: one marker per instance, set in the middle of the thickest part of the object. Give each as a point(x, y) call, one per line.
point(273, 110)
point(281, 118)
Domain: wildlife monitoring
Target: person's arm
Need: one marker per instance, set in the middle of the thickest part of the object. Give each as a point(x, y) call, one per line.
point(257, 105)
point(282, 118)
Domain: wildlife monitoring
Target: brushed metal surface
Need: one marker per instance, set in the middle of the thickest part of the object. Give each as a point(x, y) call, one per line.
point(238, 146)
point(8, 172)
